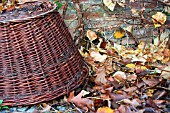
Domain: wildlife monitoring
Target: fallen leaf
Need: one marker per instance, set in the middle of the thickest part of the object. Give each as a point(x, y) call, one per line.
point(119, 76)
point(124, 109)
point(119, 33)
point(132, 77)
point(100, 75)
point(128, 28)
point(133, 102)
point(118, 97)
point(46, 108)
point(166, 52)
point(151, 82)
point(83, 103)
point(131, 66)
point(167, 9)
point(158, 56)
point(139, 59)
point(109, 4)
point(164, 35)
point(91, 35)
point(97, 56)
point(109, 65)
point(131, 89)
point(159, 19)
point(105, 110)
point(149, 93)
point(140, 111)
point(158, 102)
point(1, 7)
point(121, 3)
point(71, 95)
point(140, 69)
point(166, 73)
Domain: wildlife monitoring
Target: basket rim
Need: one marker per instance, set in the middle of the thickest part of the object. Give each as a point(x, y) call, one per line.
point(31, 17)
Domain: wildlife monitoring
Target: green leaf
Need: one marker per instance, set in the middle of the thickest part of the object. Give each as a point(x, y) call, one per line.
point(1, 101)
point(59, 5)
point(5, 107)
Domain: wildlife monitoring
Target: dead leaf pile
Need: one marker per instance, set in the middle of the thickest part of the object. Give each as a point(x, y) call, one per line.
point(125, 80)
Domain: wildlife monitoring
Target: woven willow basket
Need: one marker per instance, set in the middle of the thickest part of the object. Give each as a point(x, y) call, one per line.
point(38, 58)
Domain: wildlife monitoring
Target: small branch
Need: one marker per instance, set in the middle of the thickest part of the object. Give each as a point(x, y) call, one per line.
point(65, 9)
point(168, 89)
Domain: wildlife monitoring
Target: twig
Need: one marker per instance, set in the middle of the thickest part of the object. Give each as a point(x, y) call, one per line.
point(168, 89)
point(77, 108)
point(65, 9)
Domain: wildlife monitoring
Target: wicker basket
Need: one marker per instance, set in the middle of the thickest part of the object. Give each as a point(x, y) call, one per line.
point(38, 58)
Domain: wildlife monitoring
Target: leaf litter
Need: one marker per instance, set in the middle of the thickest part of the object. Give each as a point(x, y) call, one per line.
point(122, 79)
point(127, 80)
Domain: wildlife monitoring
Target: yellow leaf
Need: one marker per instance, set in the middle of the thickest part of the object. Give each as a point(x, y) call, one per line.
point(143, 67)
point(159, 19)
point(150, 92)
point(130, 65)
point(141, 45)
point(105, 110)
point(119, 33)
point(1, 7)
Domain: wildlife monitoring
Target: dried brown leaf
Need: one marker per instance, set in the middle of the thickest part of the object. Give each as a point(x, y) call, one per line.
point(119, 76)
point(100, 75)
point(83, 103)
point(131, 102)
point(109, 65)
point(118, 97)
point(124, 109)
point(131, 89)
point(132, 77)
point(151, 82)
point(166, 73)
point(97, 56)
point(91, 35)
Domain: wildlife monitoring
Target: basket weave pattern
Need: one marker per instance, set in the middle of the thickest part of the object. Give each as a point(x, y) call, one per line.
point(38, 60)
